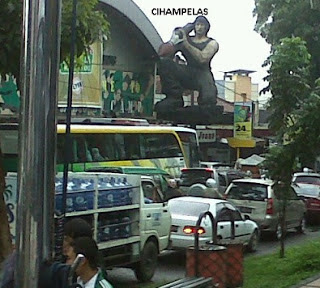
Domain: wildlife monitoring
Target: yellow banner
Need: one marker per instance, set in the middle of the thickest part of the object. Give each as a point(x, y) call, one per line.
point(242, 120)
point(86, 86)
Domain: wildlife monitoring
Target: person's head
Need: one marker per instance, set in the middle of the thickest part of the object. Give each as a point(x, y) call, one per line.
point(118, 95)
point(172, 183)
point(201, 25)
point(211, 183)
point(89, 249)
point(73, 229)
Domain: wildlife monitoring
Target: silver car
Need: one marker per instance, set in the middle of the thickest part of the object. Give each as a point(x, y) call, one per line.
point(256, 198)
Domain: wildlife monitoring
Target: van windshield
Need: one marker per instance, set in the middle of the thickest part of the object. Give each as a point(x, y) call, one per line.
point(192, 176)
point(248, 191)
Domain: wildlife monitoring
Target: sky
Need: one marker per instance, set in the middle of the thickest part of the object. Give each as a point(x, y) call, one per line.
point(232, 24)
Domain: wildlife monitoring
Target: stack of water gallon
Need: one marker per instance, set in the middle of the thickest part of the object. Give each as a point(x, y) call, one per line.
point(100, 193)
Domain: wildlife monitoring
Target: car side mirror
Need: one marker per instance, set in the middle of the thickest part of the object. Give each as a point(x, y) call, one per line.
point(246, 217)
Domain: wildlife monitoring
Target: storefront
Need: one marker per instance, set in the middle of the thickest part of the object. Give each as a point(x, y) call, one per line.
point(118, 78)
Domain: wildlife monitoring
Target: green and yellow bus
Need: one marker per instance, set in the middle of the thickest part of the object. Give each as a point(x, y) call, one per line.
point(167, 147)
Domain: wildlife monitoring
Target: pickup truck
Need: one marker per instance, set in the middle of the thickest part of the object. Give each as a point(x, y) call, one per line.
point(131, 223)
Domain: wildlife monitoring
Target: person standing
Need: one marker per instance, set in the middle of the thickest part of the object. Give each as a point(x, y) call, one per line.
point(198, 50)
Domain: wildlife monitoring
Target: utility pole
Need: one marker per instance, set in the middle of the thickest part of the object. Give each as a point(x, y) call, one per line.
point(39, 71)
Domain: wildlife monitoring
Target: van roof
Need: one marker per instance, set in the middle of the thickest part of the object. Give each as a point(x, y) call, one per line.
point(254, 180)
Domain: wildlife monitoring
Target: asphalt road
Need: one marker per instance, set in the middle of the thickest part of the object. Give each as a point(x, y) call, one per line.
point(172, 264)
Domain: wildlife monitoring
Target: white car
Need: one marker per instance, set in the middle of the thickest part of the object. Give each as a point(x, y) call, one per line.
point(185, 212)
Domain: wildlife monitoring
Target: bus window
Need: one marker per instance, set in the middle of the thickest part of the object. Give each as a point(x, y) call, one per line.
point(132, 146)
point(160, 146)
point(190, 147)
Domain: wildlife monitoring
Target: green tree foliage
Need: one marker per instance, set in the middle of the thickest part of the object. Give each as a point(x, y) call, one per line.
point(278, 19)
point(288, 79)
point(10, 36)
point(91, 25)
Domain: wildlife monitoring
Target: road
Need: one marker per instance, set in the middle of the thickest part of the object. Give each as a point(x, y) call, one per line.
point(172, 264)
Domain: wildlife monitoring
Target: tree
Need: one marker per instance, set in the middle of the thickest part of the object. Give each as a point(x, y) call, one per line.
point(289, 79)
point(278, 19)
point(281, 163)
point(92, 24)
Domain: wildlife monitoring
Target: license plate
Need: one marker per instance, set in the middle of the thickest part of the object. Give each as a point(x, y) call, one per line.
point(245, 209)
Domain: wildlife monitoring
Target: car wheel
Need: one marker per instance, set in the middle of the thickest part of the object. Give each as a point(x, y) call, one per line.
point(278, 232)
point(253, 243)
point(302, 227)
point(146, 267)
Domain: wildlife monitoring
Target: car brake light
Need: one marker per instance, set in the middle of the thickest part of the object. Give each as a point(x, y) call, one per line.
point(193, 230)
point(270, 206)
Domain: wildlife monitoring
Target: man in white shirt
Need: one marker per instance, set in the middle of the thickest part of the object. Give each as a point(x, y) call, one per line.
point(88, 271)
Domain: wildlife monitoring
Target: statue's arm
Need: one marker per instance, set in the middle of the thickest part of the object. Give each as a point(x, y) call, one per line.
point(205, 55)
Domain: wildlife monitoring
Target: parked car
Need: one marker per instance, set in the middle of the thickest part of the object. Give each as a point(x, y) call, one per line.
point(306, 178)
point(223, 177)
point(311, 195)
point(257, 198)
point(214, 164)
point(185, 212)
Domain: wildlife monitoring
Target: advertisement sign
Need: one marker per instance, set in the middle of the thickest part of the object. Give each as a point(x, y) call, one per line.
point(128, 93)
point(206, 135)
point(86, 85)
point(10, 197)
point(242, 120)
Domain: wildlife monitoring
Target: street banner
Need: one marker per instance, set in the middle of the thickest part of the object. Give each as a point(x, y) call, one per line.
point(10, 197)
point(128, 93)
point(242, 120)
point(86, 86)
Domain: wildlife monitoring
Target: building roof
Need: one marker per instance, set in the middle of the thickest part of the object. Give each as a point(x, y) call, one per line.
point(240, 72)
point(130, 11)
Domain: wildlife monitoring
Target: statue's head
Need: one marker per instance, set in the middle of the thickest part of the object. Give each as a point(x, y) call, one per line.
point(204, 20)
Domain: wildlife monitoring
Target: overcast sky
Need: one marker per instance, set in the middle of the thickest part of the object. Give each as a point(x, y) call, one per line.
point(232, 25)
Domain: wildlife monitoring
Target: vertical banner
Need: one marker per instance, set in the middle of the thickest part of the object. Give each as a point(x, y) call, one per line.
point(10, 197)
point(242, 120)
point(87, 86)
point(128, 93)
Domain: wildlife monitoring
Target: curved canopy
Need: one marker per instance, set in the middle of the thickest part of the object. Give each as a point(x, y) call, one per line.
point(130, 12)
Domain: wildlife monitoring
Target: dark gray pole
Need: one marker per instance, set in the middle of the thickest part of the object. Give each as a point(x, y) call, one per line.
point(38, 86)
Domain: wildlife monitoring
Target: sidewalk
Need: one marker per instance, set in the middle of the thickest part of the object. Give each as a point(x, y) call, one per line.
point(312, 282)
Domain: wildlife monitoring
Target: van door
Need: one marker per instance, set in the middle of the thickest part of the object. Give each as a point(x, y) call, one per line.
point(156, 218)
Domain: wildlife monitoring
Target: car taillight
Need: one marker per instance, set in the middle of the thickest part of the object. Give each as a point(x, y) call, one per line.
point(193, 230)
point(270, 206)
